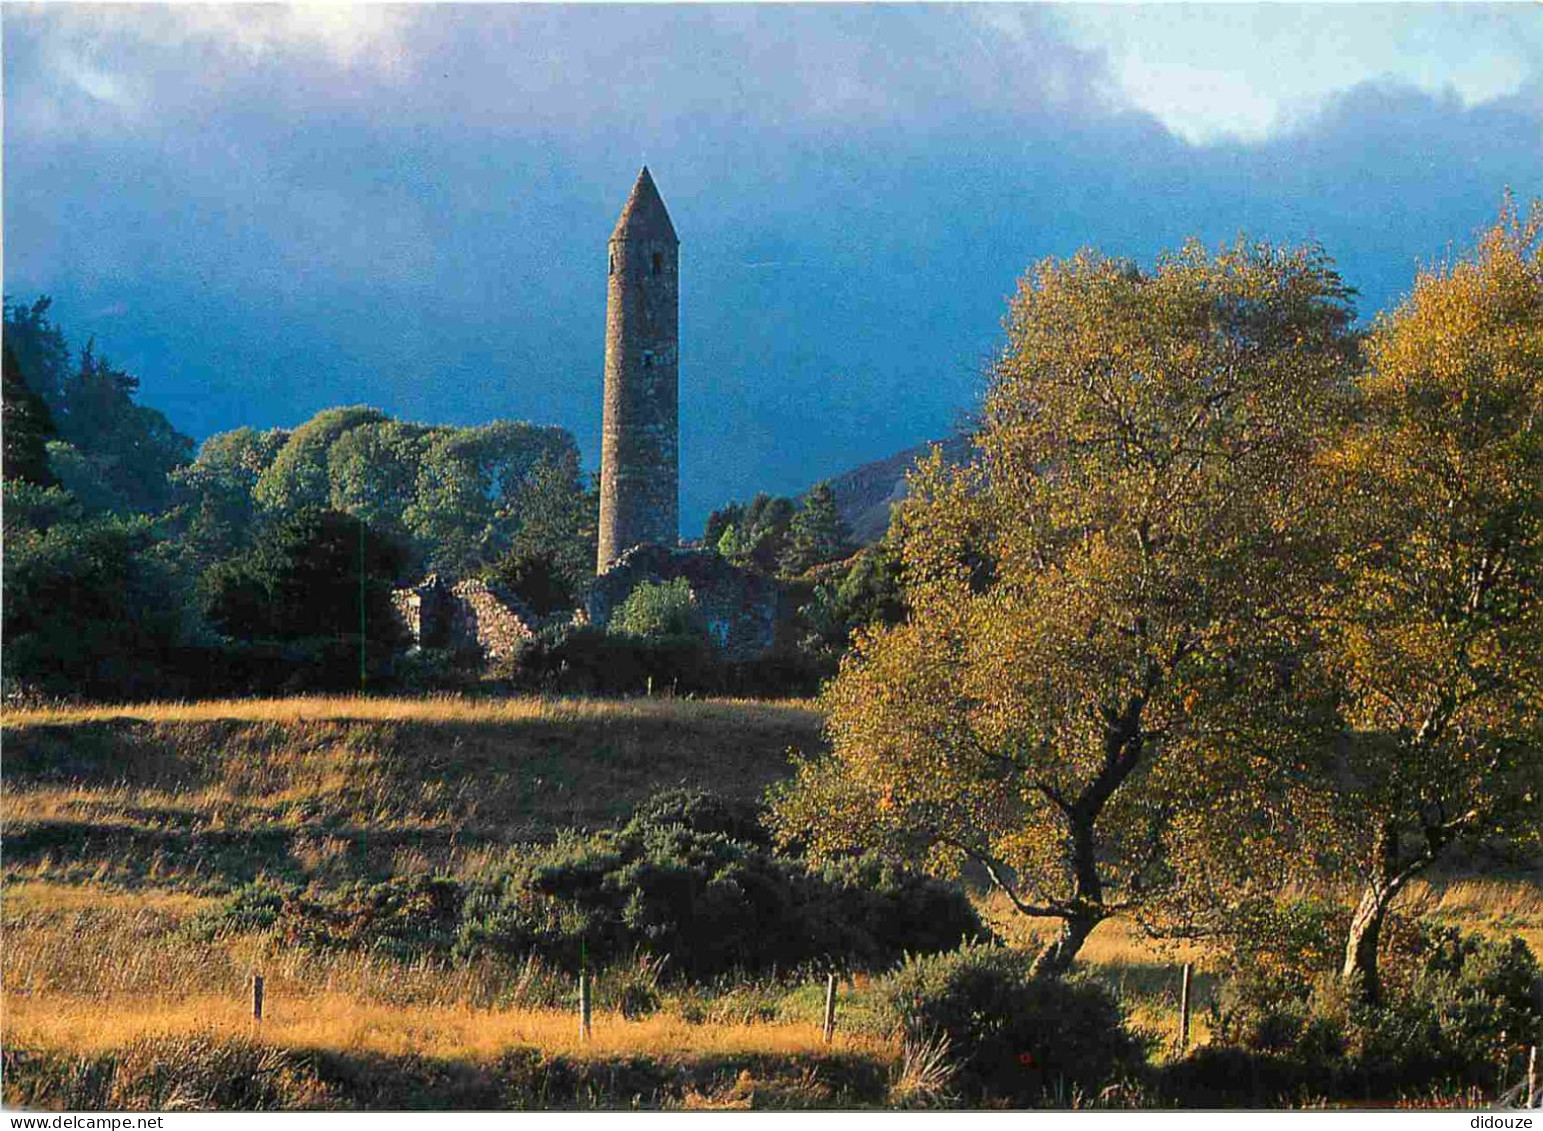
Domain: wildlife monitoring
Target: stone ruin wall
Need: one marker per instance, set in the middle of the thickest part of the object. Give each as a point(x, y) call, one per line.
point(469, 614)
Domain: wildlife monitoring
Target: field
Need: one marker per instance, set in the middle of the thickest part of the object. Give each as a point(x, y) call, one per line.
point(125, 826)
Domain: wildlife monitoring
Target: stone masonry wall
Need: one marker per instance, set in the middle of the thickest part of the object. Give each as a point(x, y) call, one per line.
point(469, 614)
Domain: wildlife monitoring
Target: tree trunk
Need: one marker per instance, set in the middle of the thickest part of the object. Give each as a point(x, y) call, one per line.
point(1056, 959)
point(1360, 969)
point(1389, 874)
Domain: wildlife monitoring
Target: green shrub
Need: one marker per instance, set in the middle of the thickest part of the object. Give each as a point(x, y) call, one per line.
point(1455, 1015)
point(255, 906)
point(1018, 1038)
point(585, 659)
point(703, 812)
point(657, 609)
point(406, 916)
point(688, 878)
point(870, 902)
point(677, 881)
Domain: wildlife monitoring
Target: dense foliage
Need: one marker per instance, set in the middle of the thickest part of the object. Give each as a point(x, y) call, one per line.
point(1456, 1013)
point(111, 452)
point(89, 607)
point(239, 569)
point(659, 608)
point(314, 573)
point(689, 878)
point(1432, 631)
point(1016, 1037)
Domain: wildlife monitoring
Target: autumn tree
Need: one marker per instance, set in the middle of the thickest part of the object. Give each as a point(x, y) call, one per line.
point(1432, 629)
point(1094, 595)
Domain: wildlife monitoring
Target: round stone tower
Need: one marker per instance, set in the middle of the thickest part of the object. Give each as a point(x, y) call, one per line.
point(639, 441)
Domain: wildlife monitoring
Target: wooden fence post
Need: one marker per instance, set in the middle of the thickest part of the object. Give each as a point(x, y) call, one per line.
point(830, 1008)
point(1184, 1004)
point(257, 997)
point(584, 1029)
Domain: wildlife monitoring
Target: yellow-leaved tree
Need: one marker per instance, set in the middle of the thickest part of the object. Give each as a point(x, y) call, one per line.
point(1431, 629)
point(1106, 594)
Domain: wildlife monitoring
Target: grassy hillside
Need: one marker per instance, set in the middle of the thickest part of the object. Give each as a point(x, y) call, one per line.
point(204, 796)
point(126, 828)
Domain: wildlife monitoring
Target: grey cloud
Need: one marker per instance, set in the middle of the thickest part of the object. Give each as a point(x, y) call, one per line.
point(293, 222)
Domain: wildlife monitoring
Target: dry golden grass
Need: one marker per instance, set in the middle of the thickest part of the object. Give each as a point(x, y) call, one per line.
point(339, 1022)
point(209, 794)
point(88, 943)
point(43, 898)
point(158, 803)
point(426, 709)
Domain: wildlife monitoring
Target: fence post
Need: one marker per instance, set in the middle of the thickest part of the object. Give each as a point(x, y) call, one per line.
point(1184, 1004)
point(257, 997)
point(830, 1008)
point(584, 1029)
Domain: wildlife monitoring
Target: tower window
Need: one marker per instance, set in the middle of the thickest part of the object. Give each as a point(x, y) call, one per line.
point(658, 262)
point(611, 263)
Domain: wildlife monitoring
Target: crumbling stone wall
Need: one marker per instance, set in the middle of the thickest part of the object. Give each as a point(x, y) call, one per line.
point(495, 621)
point(469, 614)
point(741, 607)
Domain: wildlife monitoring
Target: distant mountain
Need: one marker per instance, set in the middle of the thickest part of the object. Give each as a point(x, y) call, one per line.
point(865, 494)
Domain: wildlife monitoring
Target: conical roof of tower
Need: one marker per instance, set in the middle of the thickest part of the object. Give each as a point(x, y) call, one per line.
point(644, 216)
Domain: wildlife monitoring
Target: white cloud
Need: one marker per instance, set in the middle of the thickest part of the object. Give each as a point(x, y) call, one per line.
point(365, 35)
point(1218, 72)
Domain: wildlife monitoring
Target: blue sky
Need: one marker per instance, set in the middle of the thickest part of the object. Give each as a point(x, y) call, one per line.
point(263, 211)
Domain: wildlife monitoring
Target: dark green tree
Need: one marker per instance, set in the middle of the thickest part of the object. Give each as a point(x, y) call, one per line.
point(27, 427)
point(315, 573)
point(535, 578)
point(556, 516)
point(754, 536)
point(817, 534)
point(40, 348)
point(89, 609)
point(112, 453)
point(130, 449)
point(868, 591)
point(719, 521)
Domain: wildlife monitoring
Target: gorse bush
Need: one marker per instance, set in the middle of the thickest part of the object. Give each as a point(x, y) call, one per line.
point(1014, 1037)
point(703, 812)
point(689, 878)
point(713, 904)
